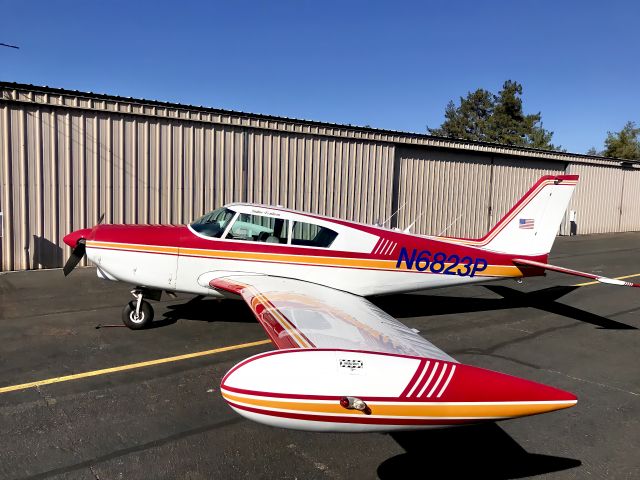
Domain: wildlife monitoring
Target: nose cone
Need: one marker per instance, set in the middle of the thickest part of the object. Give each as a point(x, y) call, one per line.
point(507, 395)
point(72, 238)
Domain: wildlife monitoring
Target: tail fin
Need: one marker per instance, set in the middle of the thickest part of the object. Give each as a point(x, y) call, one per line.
point(531, 226)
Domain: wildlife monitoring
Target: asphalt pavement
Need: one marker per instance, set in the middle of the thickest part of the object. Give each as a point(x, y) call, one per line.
point(168, 420)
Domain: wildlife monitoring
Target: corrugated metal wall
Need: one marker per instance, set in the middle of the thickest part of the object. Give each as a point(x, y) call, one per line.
point(68, 159)
point(64, 169)
point(462, 195)
point(630, 210)
point(444, 194)
point(346, 179)
point(597, 199)
point(512, 178)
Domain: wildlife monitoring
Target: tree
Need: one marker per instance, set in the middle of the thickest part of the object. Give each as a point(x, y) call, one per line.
point(541, 138)
point(469, 121)
point(484, 116)
point(594, 152)
point(623, 144)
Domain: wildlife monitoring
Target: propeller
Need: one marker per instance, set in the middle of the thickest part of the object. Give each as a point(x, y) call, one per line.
point(77, 241)
point(76, 255)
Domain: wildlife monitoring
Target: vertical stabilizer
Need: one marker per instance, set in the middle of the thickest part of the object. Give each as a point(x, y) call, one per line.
point(531, 226)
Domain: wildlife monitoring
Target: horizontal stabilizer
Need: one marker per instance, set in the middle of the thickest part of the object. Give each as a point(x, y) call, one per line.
point(568, 271)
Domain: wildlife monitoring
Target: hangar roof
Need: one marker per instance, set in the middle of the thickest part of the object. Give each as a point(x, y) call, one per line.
point(59, 97)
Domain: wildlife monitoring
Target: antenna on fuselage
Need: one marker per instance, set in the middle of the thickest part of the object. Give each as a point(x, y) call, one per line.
point(393, 214)
point(408, 229)
point(450, 225)
point(420, 215)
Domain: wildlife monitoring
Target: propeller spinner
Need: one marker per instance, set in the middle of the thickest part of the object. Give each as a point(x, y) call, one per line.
point(77, 241)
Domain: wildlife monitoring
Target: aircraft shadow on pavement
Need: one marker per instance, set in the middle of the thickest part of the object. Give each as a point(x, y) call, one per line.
point(206, 310)
point(407, 305)
point(479, 451)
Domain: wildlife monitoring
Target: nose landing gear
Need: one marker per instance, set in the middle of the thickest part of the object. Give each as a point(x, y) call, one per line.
point(138, 313)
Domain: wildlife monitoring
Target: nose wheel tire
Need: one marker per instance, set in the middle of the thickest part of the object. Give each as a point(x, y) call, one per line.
point(140, 320)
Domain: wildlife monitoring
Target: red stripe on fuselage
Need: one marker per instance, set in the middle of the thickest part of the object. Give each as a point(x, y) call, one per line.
point(182, 237)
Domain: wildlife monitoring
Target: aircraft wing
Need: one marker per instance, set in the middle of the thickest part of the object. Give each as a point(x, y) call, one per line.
point(568, 271)
point(299, 314)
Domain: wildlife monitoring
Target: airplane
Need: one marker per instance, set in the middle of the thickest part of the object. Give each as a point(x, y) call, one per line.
point(342, 364)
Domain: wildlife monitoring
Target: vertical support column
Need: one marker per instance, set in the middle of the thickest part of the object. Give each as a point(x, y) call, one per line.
point(96, 186)
point(39, 253)
point(490, 208)
point(67, 159)
point(245, 165)
point(624, 177)
point(25, 217)
point(395, 185)
point(55, 187)
point(6, 206)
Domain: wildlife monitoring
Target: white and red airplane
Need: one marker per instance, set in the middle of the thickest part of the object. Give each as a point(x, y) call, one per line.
point(342, 364)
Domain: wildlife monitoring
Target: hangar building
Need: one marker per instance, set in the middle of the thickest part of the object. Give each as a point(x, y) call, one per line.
point(68, 158)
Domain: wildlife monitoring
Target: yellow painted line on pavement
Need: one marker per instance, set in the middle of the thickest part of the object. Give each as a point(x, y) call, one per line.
point(130, 366)
point(177, 358)
point(596, 282)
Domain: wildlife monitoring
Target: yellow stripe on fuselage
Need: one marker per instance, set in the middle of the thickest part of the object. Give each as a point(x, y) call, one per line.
point(313, 260)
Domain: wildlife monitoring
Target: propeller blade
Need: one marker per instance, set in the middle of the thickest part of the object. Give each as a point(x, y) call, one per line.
point(75, 257)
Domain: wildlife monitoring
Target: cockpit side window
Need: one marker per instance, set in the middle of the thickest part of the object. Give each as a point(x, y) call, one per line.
point(311, 235)
point(258, 228)
point(213, 224)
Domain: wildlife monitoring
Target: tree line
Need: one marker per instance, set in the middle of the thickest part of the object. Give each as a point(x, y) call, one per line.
point(487, 117)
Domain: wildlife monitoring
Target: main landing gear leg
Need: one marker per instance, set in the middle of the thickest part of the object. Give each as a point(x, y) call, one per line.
point(138, 313)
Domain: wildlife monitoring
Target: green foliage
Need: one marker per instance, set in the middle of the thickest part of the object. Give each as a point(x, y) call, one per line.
point(623, 144)
point(469, 121)
point(486, 117)
point(594, 152)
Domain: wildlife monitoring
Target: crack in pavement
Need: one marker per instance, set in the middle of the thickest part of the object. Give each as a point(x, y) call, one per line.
point(490, 352)
point(51, 403)
point(591, 382)
point(305, 456)
point(133, 449)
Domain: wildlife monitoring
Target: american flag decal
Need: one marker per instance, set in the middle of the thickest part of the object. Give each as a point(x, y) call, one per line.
point(526, 223)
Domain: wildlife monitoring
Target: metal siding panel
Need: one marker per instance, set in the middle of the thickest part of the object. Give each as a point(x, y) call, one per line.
point(105, 198)
point(21, 194)
point(202, 184)
point(208, 169)
point(597, 198)
point(6, 241)
point(630, 219)
point(512, 177)
point(443, 193)
point(130, 200)
point(307, 173)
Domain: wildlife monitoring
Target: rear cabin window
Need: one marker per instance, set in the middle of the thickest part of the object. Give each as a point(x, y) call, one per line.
point(257, 228)
point(311, 235)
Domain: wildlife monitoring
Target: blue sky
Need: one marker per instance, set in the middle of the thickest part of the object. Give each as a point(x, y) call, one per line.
point(392, 65)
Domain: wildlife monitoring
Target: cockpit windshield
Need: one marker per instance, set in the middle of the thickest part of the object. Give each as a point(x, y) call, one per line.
point(213, 224)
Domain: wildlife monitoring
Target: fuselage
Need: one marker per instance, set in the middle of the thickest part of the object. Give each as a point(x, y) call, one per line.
point(353, 257)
